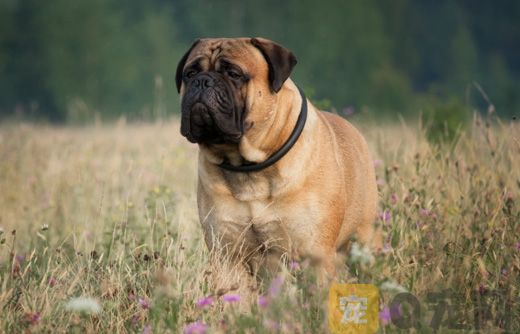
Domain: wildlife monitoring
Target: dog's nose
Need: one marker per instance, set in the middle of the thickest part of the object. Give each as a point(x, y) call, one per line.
point(203, 81)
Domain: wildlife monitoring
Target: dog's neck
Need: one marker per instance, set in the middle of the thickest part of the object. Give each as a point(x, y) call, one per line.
point(261, 140)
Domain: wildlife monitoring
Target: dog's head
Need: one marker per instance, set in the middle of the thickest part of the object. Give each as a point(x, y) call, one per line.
point(220, 81)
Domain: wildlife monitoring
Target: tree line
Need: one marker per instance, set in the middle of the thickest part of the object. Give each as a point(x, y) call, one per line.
point(66, 60)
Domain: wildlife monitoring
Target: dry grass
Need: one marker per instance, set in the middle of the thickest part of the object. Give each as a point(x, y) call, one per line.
point(119, 203)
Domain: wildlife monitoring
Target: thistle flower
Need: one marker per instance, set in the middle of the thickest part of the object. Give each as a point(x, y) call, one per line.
point(84, 305)
point(144, 303)
point(204, 302)
point(32, 318)
point(424, 212)
point(19, 259)
point(394, 198)
point(385, 216)
point(231, 298)
point(294, 265)
point(387, 248)
point(348, 111)
point(136, 319)
point(276, 286)
point(147, 329)
point(387, 313)
point(196, 327)
point(271, 325)
point(263, 301)
point(384, 315)
point(52, 281)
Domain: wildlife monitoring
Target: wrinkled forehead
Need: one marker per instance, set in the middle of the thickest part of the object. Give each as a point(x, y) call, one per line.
point(209, 53)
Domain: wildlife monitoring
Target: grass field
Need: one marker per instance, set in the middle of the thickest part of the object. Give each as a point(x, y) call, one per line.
point(109, 213)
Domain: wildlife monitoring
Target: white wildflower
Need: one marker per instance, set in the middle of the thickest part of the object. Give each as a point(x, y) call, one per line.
point(392, 286)
point(84, 304)
point(361, 255)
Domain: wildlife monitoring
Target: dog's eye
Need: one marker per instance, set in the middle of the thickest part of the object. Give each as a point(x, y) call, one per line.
point(190, 74)
point(234, 74)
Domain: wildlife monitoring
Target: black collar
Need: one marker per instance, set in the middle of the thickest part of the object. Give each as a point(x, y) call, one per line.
point(298, 128)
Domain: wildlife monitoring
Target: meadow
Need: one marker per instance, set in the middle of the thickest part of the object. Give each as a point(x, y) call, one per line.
point(99, 233)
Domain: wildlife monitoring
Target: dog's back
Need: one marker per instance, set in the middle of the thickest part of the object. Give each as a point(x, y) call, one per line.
point(360, 183)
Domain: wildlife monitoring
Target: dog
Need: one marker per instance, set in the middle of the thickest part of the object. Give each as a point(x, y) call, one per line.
point(278, 179)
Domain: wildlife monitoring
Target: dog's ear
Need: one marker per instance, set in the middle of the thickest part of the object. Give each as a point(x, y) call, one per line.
point(280, 61)
point(180, 65)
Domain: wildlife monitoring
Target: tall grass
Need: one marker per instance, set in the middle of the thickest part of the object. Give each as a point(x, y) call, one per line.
point(109, 213)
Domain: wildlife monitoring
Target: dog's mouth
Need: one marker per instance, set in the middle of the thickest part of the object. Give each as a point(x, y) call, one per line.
point(210, 117)
point(197, 124)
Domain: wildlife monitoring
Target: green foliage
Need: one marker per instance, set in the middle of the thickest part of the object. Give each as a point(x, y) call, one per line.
point(115, 58)
point(321, 104)
point(445, 119)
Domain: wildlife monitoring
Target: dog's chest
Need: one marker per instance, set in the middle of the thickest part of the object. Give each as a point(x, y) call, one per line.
point(251, 187)
point(275, 223)
point(261, 211)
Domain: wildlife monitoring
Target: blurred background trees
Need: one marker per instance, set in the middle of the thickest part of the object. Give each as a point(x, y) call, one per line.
point(71, 60)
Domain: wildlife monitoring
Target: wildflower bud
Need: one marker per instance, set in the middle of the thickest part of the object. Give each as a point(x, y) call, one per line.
point(231, 298)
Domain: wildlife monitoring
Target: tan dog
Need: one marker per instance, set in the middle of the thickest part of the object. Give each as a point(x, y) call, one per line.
point(240, 106)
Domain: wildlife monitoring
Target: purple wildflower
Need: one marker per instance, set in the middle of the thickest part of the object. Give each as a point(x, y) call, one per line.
point(294, 265)
point(387, 248)
point(396, 311)
point(52, 281)
point(33, 318)
point(204, 302)
point(136, 318)
point(384, 315)
point(147, 329)
point(263, 301)
point(271, 324)
point(196, 327)
point(276, 286)
point(394, 198)
point(144, 303)
point(518, 246)
point(385, 216)
point(348, 111)
point(377, 163)
point(424, 212)
point(231, 298)
point(224, 325)
point(131, 295)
